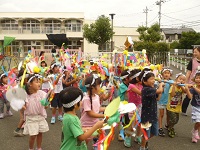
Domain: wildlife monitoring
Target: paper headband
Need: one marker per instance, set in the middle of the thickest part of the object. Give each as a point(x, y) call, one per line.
point(53, 65)
point(179, 74)
point(136, 75)
point(167, 69)
point(2, 75)
point(145, 74)
point(95, 76)
point(34, 76)
point(125, 76)
point(68, 105)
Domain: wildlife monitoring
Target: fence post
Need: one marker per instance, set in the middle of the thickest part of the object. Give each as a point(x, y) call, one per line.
point(181, 66)
point(185, 65)
point(174, 61)
point(169, 60)
point(177, 62)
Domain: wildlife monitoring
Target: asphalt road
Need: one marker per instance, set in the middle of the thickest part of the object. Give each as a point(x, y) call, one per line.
point(52, 139)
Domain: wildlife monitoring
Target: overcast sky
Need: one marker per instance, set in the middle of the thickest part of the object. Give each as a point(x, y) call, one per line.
point(128, 12)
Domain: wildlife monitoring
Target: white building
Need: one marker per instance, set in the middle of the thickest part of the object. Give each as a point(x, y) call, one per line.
point(30, 29)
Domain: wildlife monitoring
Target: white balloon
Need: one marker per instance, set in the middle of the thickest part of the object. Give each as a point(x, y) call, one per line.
point(126, 108)
point(16, 93)
point(17, 104)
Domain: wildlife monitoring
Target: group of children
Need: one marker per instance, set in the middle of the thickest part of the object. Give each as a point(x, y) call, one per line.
point(84, 94)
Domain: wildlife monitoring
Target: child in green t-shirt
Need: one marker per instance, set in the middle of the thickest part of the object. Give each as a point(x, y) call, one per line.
point(73, 137)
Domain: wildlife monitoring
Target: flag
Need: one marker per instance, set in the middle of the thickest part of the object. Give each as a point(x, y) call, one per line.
point(8, 41)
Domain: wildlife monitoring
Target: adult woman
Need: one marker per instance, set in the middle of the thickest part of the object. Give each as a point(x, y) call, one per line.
point(192, 67)
point(41, 57)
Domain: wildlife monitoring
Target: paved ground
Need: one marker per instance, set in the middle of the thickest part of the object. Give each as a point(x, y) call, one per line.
point(52, 139)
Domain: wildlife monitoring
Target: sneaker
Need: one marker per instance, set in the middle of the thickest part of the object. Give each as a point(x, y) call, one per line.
point(1, 115)
point(142, 148)
point(194, 140)
point(167, 127)
point(38, 149)
point(95, 140)
point(53, 120)
point(127, 141)
point(161, 132)
point(18, 133)
point(146, 146)
point(171, 133)
point(195, 136)
point(9, 113)
point(60, 118)
point(138, 139)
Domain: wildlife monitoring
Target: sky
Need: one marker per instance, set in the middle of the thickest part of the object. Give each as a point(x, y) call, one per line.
point(129, 13)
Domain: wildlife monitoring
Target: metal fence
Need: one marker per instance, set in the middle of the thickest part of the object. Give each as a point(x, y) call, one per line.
point(160, 58)
point(179, 62)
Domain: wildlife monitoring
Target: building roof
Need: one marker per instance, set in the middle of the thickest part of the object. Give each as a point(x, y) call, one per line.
point(176, 30)
point(41, 15)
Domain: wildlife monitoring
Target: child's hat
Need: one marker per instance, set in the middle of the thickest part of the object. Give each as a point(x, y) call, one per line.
point(2, 75)
point(167, 69)
point(145, 74)
point(72, 103)
point(94, 77)
point(125, 73)
point(179, 74)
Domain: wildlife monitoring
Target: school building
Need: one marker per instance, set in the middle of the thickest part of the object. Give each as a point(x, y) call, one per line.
point(30, 29)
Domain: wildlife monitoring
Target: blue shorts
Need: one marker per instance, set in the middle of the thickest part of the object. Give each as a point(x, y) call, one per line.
point(56, 102)
point(153, 130)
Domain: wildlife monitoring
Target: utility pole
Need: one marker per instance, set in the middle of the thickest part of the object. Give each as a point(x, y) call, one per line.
point(146, 12)
point(112, 43)
point(159, 13)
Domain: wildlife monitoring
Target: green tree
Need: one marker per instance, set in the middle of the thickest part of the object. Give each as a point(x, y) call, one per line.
point(151, 34)
point(175, 45)
point(162, 47)
point(188, 39)
point(99, 32)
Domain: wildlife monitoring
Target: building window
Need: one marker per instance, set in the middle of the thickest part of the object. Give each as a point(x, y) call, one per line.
point(73, 25)
point(9, 24)
point(36, 44)
point(48, 45)
point(33, 25)
point(74, 44)
point(15, 48)
point(27, 46)
point(106, 48)
point(51, 25)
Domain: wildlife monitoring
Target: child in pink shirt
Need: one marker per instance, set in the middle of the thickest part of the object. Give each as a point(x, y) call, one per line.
point(134, 96)
point(35, 113)
point(91, 107)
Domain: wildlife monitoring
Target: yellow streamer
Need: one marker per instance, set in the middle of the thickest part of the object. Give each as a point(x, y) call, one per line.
point(108, 140)
point(133, 118)
point(23, 77)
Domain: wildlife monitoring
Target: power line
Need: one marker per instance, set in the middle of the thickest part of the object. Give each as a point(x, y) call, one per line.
point(186, 23)
point(184, 18)
point(174, 18)
point(153, 18)
point(182, 10)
